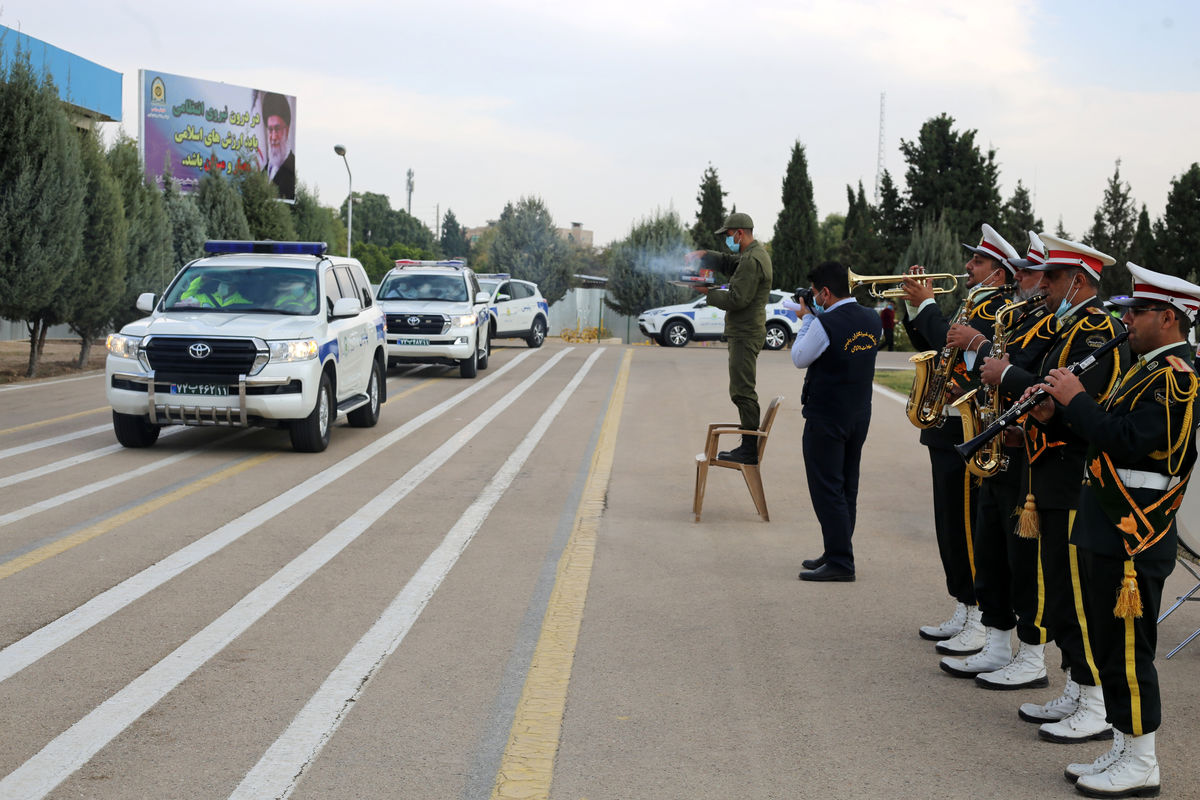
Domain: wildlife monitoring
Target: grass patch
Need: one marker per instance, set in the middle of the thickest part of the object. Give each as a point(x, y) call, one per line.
point(898, 380)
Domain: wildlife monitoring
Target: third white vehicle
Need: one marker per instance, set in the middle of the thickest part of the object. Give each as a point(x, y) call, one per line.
point(675, 326)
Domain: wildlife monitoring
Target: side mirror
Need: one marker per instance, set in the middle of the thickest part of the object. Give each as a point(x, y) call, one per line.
point(484, 297)
point(502, 297)
point(145, 302)
point(346, 307)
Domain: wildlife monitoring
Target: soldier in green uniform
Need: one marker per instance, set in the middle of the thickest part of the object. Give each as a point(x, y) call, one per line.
point(745, 303)
point(1141, 450)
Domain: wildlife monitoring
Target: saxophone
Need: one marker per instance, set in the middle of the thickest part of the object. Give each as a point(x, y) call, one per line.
point(932, 380)
point(981, 407)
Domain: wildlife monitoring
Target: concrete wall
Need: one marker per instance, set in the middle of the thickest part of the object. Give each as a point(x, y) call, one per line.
point(15, 331)
point(584, 308)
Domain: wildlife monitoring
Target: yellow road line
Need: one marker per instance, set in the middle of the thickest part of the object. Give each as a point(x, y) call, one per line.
point(100, 528)
point(527, 766)
point(40, 423)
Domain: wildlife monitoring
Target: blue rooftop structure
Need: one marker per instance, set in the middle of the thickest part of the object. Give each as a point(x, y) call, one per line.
point(92, 89)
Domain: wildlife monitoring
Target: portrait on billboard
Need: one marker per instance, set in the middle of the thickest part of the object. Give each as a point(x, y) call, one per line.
point(279, 160)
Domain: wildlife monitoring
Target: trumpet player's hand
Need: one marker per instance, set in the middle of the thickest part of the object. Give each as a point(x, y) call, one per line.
point(964, 337)
point(1062, 385)
point(993, 370)
point(916, 291)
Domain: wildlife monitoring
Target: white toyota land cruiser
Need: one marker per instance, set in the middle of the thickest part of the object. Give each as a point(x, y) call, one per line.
point(275, 334)
point(436, 314)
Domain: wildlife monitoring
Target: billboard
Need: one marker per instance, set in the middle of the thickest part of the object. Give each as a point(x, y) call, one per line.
point(199, 126)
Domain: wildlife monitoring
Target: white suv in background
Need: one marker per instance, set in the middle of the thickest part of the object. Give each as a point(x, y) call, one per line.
point(675, 326)
point(517, 308)
point(275, 334)
point(436, 314)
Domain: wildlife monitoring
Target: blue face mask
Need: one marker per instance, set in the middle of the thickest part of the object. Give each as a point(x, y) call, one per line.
point(1065, 306)
point(732, 245)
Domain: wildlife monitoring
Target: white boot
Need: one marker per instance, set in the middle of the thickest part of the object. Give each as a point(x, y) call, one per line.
point(1074, 772)
point(1026, 670)
point(1133, 774)
point(944, 630)
point(996, 652)
point(967, 641)
point(1060, 707)
point(1086, 723)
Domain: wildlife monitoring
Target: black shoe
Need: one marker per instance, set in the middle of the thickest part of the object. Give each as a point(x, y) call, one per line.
point(828, 572)
point(813, 563)
point(740, 455)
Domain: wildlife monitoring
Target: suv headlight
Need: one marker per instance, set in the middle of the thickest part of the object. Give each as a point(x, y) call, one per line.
point(465, 321)
point(123, 346)
point(293, 350)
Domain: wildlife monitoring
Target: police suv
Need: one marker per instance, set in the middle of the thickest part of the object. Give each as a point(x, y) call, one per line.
point(675, 326)
point(274, 334)
point(517, 308)
point(436, 314)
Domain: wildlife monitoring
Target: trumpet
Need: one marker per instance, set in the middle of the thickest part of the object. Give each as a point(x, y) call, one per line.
point(874, 283)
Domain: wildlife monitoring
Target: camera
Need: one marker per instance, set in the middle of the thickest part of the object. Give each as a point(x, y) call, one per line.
point(804, 293)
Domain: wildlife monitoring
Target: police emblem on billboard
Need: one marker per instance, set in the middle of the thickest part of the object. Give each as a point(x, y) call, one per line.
point(158, 91)
point(199, 350)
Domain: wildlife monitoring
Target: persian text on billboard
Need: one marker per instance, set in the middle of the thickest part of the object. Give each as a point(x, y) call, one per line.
point(203, 126)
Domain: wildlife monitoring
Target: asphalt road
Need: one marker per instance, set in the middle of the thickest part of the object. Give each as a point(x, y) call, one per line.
point(498, 591)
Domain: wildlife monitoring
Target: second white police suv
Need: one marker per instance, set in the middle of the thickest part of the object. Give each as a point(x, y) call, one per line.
point(274, 334)
point(675, 326)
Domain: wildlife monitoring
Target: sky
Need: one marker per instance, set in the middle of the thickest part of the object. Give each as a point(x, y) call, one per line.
point(610, 112)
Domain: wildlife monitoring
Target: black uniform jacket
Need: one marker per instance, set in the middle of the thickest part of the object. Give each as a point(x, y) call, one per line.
point(1147, 424)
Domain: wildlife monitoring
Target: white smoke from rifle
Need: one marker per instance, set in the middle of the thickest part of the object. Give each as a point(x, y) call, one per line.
point(669, 264)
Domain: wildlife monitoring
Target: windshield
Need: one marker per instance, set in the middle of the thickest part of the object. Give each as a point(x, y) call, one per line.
point(489, 287)
point(268, 290)
point(449, 288)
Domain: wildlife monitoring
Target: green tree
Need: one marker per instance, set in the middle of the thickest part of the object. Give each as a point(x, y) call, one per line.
point(148, 244)
point(1017, 219)
point(1143, 250)
point(527, 246)
point(92, 298)
point(454, 237)
point(1062, 232)
point(186, 222)
point(936, 248)
point(641, 264)
point(266, 217)
point(1113, 226)
point(479, 256)
point(710, 215)
point(412, 232)
point(892, 223)
point(862, 248)
point(221, 205)
point(41, 199)
point(374, 222)
point(948, 174)
point(1178, 232)
point(830, 234)
point(316, 223)
point(795, 244)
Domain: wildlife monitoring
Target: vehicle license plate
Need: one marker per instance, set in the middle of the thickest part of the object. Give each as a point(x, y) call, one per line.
point(412, 340)
point(209, 389)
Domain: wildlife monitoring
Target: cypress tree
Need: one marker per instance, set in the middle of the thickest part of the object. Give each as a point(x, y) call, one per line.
point(795, 243)
point(92, 298)
point(1142, 251)
point(936, 248)
point(1113, 226)
point(186, 223)
point(266, 217)
point(527, 246)
point(316, 223)
point(454, 237)
point(641, 264)
point(891, 221)
point(41, 200)
point(1017, 218)
point(148, 243)
point(1178, 232)
point(221, 206)
point(711, 213)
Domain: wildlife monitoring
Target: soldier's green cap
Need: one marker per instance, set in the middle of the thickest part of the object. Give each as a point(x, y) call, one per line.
point(737, 220)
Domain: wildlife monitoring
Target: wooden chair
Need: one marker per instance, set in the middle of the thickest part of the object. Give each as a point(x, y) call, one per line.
point(750, 472)
point(1188, 555)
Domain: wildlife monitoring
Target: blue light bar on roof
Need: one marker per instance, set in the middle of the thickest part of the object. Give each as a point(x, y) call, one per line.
point(280, 248)
point(453, 262)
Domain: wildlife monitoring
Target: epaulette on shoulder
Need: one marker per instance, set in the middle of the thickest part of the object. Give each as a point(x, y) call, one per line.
point(1179, 364)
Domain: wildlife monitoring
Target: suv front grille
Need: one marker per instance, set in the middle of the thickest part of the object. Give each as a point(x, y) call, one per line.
point(426, 323)
point(171, 359)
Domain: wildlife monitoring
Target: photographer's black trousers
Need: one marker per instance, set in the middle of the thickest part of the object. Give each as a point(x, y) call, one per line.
point(832, 451)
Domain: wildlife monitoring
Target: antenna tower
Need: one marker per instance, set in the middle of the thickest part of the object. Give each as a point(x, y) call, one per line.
point(879, 158)
point(410, 189)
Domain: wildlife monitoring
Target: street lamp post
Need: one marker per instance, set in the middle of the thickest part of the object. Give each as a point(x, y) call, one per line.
point(341, 151)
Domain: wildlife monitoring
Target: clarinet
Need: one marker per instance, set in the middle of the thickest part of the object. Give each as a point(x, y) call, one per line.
point(1019, 409)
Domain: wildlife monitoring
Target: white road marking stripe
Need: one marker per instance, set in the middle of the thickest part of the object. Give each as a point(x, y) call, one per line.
point(92, 488)
point(281, 767)
point(893, 395)
point(48, 638)
point(75, 747)
point(36, 384)
point(74, 461)
point(66, 437)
